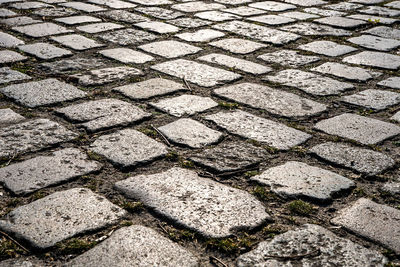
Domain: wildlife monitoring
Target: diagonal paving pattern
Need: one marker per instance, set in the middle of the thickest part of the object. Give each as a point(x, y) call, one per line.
point(199, 133)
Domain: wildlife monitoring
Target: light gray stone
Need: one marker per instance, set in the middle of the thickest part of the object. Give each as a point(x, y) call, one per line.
point(373, 99)
point(392, 187)
point(41, 29)
point(374, 221)
point(362, 160)
point(344, 6)
point(44, 50)
point(210, 208)
point(128, 37)
point(7, 40)
point(4, 13)
point(69, 65)
point(396, 117)
point(299, 15)
point(189, 22)
point(324, 12)
point(288, 58)
point(136, 246)
point(128, 148)
point(306, 3)
point(375, 43)
point(126, 55)
point(54, 12)
point(311, 29)
point(237, 46)
point(380, 20)
point(61, 215)
point(385, 32)
point(150, 88)
point(341, 22)
point(365, 130)
point(325, 249)
point(160, 13)
point(380, 11)
point(190, 133)
point(274, 101)
point(216, 16)
point(158, 27)
point(394, 4)
point(8, 56)
point(101, 114)
point(375, 59)
point(124, 16)
point(8, 116)
point(272, 6)
point(197, 6)
point(43, 171)
point(8, 75)
point(345, 71)
point(245, 11)
point(170, 48)
point(77, 19)
point(32, 136)
point(184, 105)
point(327, 48)
point(77, 42)
point(83, 7)
point(272, 19)
point(29, 5)
point(99, 27)
point(106, 75)
point(205, 35)
point(22, 262)
point(44, 92)
point(392, 82)
point(197, 73)
point(152, 2)
point(113, 3)
point(249, 126)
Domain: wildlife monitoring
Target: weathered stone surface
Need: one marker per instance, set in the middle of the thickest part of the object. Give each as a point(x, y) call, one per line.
point(77, 20)
point(8, 116)
point(61, 215)
point(237, 46)
point(22, 262)
point(309, 82)
point(19, 21)
point(385, 32)
point(55, 12)
point(184, 105)
point(8, 56)
point(272, 19)
point(83, 7)
point(365, 130)
point(190, 133)
point(136, 246)
point(380, 11)
point(160, 13)
point(368, 18)
point(324, 12)
point(374, 99)
point(69, 65)
point(374, 221)
point(128, 37)
point(32, 136)
point(249, 126)
point(150, 88)
point(375, 43)
point(345, 71)
point(306, 2)
point(106, 75)
point(297, 179)
point(245, 11)
point(44, 92)
point(208, 207)
point(43, 171)
point(126, 55)
point(152, 2)
point(8, 40)
point(113, 3)
point(392, 187)
point(392, 82)
point(327, 48)
point(8, 75)
point(41, 29)
point(189, 22)
point(396, 117)
point(124, 16)
point(128, 148)
point(4, 13)
point(341, 22)
point(105, 113)
point(229, 157)
point(158, 27)
point(326, 248)
point(274, 101)
point(299, 15)
point(44, 50)
point(375, 59)
point(77, 42)
point(197, 6)
point(216, 16)
point(272, 6)
point(29, 5)
point(288, 58)
point(362, 160)
point(99, 27)
point(170, 49)
point(200, 35)
point(306, 28)
point(194, 72)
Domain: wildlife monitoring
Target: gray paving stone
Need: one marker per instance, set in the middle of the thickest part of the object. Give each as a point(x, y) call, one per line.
point(306, 3)
point(210, 208)
point(365, 130)
point(44, 50)
point(234, 2)
point(123, 16)
point(235, 63)
point(205, 35)
point(128, 148)
point(344, 6)
point(128, 37)
point(68, 65)
point(272, 6)
point(347, 72)
point(367, 2)
point(43, 171)
point(341, 22)
point(296, 179)
point(29, 5)
point(83, 7)
point(126, 55)
point(113, 3)
point(22, 262)
point(77, 42)
point(385, 32)
point(229, 157)
point(391, 187)
point(100, 27)
point(170, 48)
point(189, 22)
point(8, 40)
point(373, 99)
point(375, 43)
point(249, 126)
point(136, 246)
point(288, 58)
point(61, 215)
point(41, 29)
point(310, 29)
point(32, 136)
point(101, 114)
point(299, 15)
point(237, 46)
point(54, 12)
point(380, 11)
point(19, 21)
point(257, 32)
point(362, 160)
point(324, 12)
point(272, 19)
point(190, 133)
point(158, 27)
point(396, 117)
point(8, 75)
point(197, 6)
point(392, 82)
point(8, 56)
point(327, 48)
point(375, 59)
point(194, 72)
point(184, 105)
point(394, 4)
point(4, 13)
point(106, 75)
point(150, 88)
point(245, 11)
point(274, 101)
point(160, 13)
point(374, 221)
point(309, 82)
point(380, 20)
point(328, 248)
point(152, 2)
point(8, 116)
point(77, 19)
point(216, 16)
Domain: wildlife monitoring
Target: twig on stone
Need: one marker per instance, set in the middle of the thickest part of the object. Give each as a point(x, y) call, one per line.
point(311, 254)
point(165, 139)
point(163, 228)
point(187, 84)
point(218, 260)
point(13, 157)
point(14, 241)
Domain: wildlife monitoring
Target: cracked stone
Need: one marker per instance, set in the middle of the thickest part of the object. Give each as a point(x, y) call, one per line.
point(345, 71)
point(128, 37)
point(76, 41)
point(288, 58)
point(375, 43)
point(44, 50)
point(99, 27)
point(375, 59)
point(106, 75)
point(170, 49)
point(41, 29)
point(237, 46)
point(8, 75)
point(7, 40)
point(205, 35)
point(373, 99)
point(8, 116)
point(327, 48)
point(126, 55)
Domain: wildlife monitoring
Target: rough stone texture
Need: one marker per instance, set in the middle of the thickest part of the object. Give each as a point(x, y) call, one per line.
point(237, 46)
point(375, 43)
point(392, 187)
point(371, 220)
point(328, 248)
point(272, 19)
point(252, 127)
point(128, 37)
point(83, 7)
point(245, 11)
point(44, 50)
point(184, 105)
point(194, 72)
point(190, 133)
point(126, 55)
point(105, 113)
point(368, 18)
point(197, 6)
point(312, 29)
point(61, 215)
point(19, 21)
point(189, 22)
point(327, 48)
point(99, 27)
point(8, 75)
point(374, 99)
point(345, 71)
point(41, 93)
point(43, 171)
point(123, 16)
point(216, 16)
point(158, 27)
point(396, 117)
point(8, 116)
point(32, 136)
point(274, 101)
point(229, 157)
point(208, 207)
point(375, 59)
point(272, 6)
point(77, 20)
point(341, 22)
point(392, 82)
point(106, 75)
point(170, 49)
point(288, 58)
point(362, 160)
point(7, 56)
point(200, 35)
point(385, 32)
point(41, 29)
point(365, 130)
point(128, 148)
point(76, 41)
point(8, 40)
point(136, 246)
point(160, 13)
point(70, 65)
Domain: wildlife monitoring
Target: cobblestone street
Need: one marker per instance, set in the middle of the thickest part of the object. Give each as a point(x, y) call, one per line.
point(200, 133)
